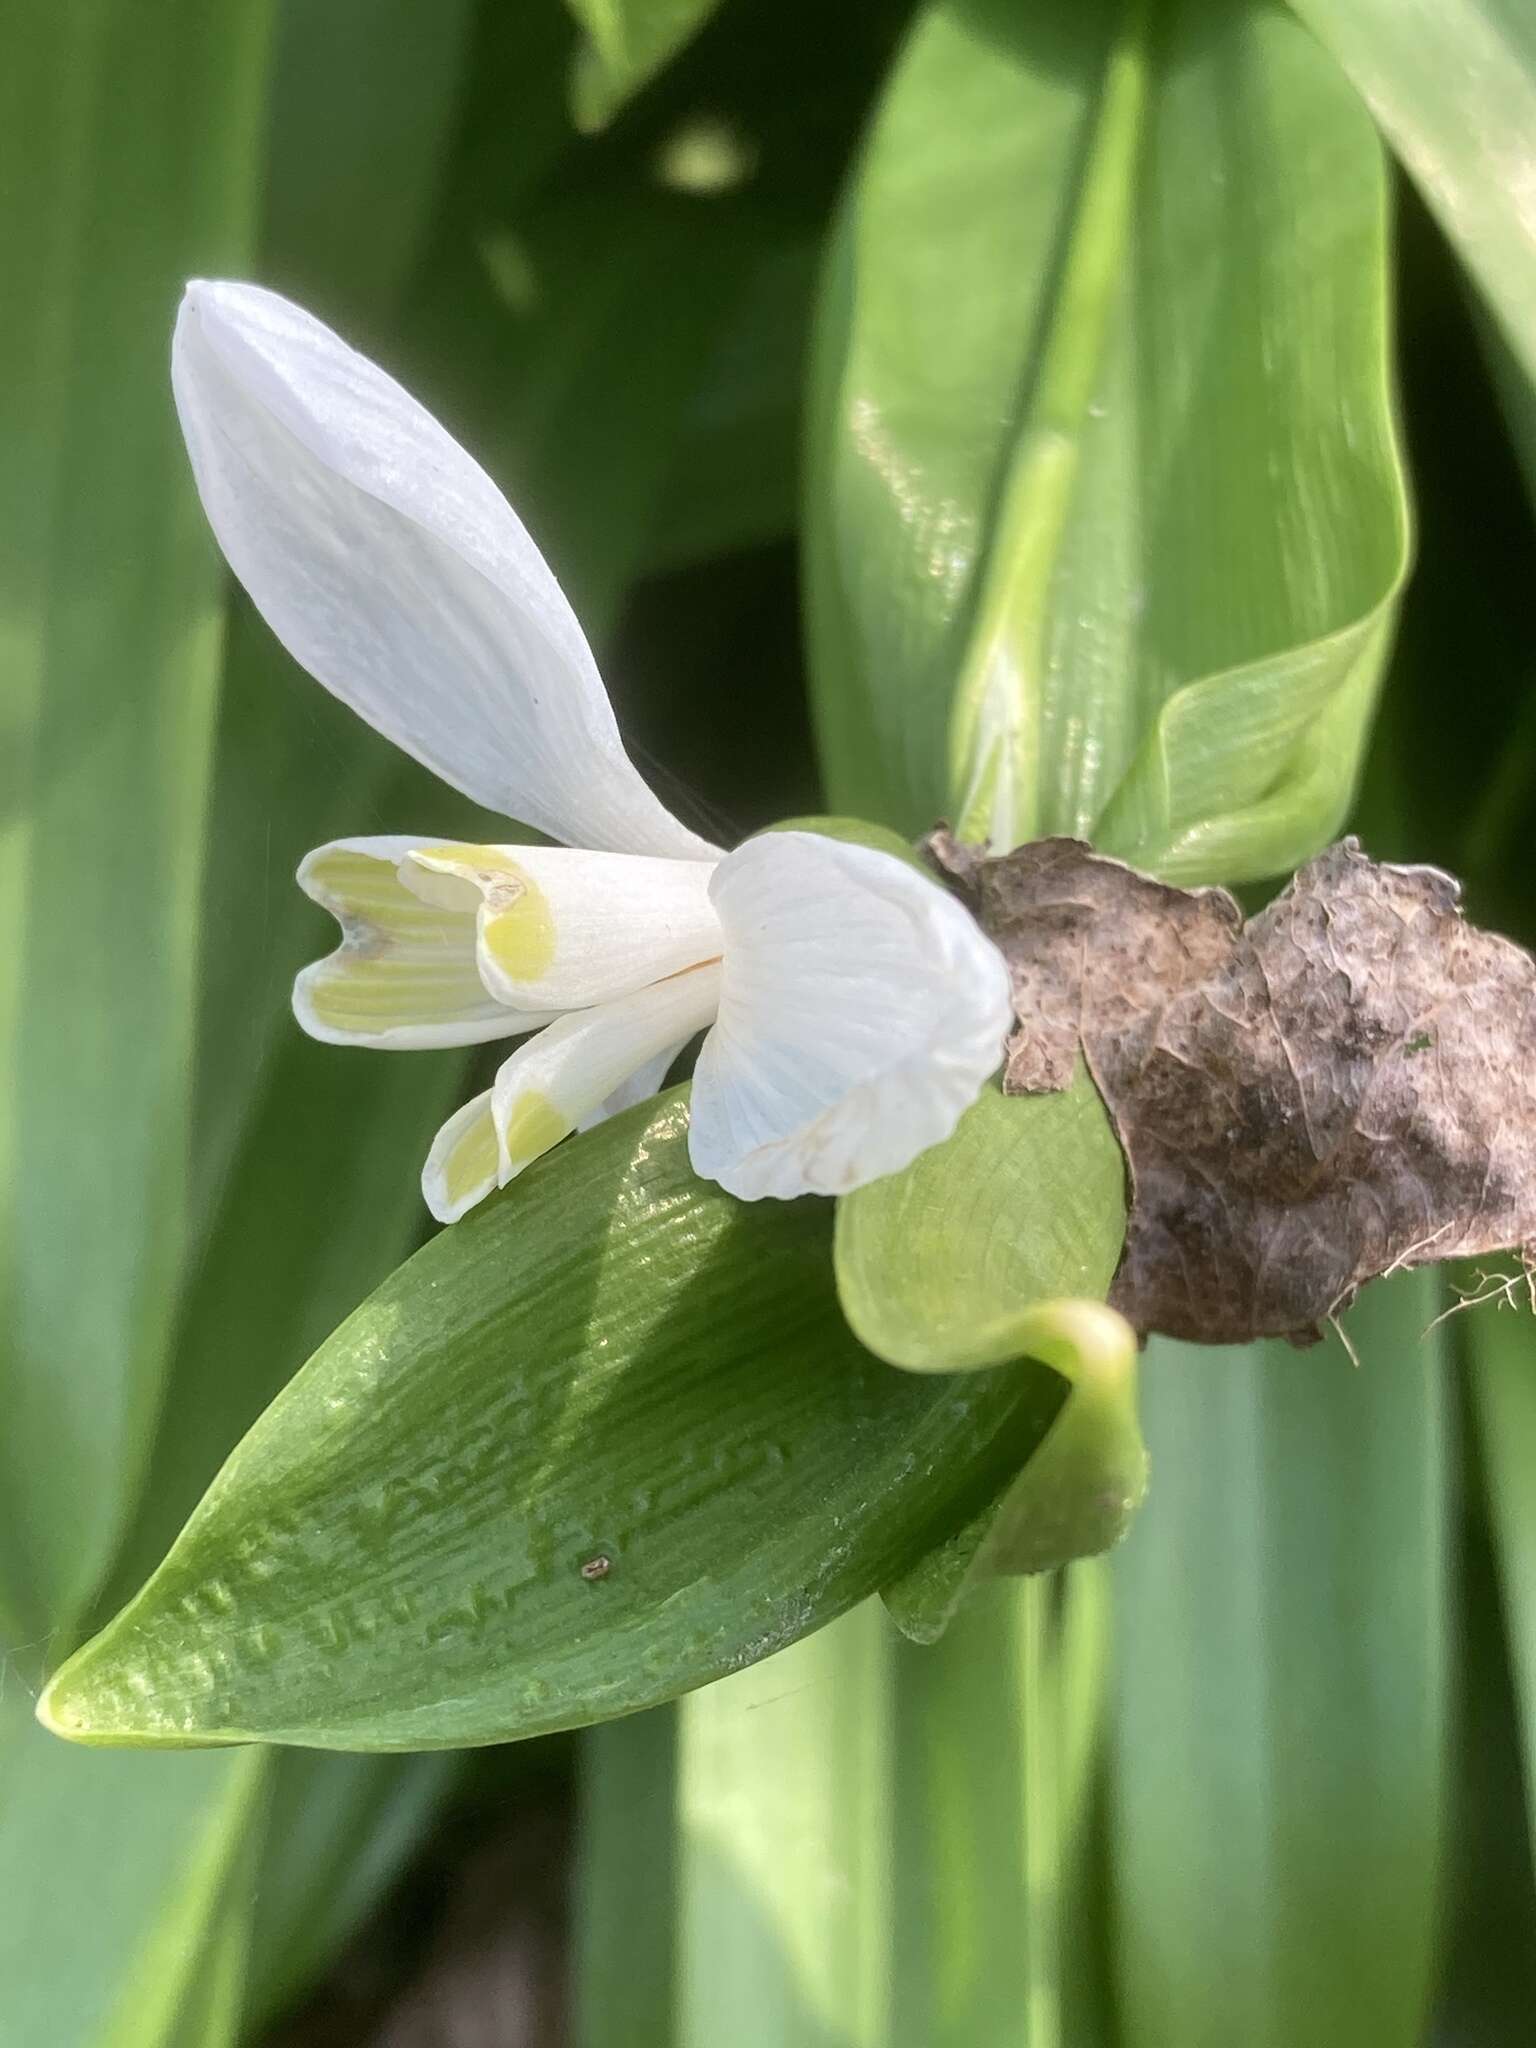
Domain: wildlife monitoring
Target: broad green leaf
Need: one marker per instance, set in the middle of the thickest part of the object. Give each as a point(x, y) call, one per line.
point(1501, 1353)
point(1281, 1660)
point(612, 1365)
point(131, 161)
point(622, 1932)
point(1105, 515)
point(1453, 85)
point(628, 41)
point(121, 1880)
point(785, 1796)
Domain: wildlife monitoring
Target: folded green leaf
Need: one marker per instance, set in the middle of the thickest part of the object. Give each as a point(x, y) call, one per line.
point(606, 1439)
point(131, 161)
point(628, 41)
point(1105, 514)
point(1453, 85)
point(1281, 1678)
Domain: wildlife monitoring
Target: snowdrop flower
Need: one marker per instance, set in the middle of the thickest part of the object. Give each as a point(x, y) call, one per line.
point(853, 1008)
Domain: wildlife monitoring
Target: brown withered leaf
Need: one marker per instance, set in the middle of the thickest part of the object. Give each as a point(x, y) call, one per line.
point(1339, 1088)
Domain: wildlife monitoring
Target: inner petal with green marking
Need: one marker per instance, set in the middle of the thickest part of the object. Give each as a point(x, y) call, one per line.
point(561, 929)
point(406, 973)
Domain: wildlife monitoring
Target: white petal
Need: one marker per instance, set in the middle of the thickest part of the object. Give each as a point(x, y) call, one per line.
point(642, 1084)
point(406, 972)
point(462, 1165)
point(390, 566)
point(561, 929)
point(557, 1079)
point(861, 1009)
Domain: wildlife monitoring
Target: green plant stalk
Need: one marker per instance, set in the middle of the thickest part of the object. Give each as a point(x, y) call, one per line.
point(785, 1792)
point(623, 1963)
point(995, 726)
point(1040, 1818)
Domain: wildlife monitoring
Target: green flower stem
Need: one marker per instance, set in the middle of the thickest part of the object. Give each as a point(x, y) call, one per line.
point(785, 1794)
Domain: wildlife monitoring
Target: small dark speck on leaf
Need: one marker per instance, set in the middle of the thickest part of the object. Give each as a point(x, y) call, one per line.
point(597, 1568)
point(1285, 1140)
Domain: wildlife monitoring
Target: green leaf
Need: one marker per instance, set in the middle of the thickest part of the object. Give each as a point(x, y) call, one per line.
point(1501, 1353)
point(338, 1830)
point(944, 1266)
point(997, 1730)
point(785, 1796)
point(1105, 515)
point(1453, 85)
point(132, 162)
point(628, 42)
point(364, 94)
point(736, 478)
point(1281, 1659)
point(875, 1842)
point(623, 1933)
point(122, 1880)
point(612, 1361)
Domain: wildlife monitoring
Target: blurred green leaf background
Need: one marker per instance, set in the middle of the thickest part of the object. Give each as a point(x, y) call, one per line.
point(1106, 416)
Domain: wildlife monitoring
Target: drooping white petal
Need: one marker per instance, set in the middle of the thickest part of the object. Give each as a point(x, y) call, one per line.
point(462, 1165)
point(861, 1008)
point(557, 1079)
point(405, 974)
point(561, 929)
point(390, 566)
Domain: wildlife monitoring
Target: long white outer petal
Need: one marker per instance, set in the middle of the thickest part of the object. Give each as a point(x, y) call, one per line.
point(389, 565)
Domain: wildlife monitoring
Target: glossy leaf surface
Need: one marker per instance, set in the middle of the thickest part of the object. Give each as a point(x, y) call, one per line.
point(394, 1556)
point(1105, 520)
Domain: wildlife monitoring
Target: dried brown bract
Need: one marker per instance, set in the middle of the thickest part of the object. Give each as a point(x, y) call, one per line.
point(1342, 1086)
